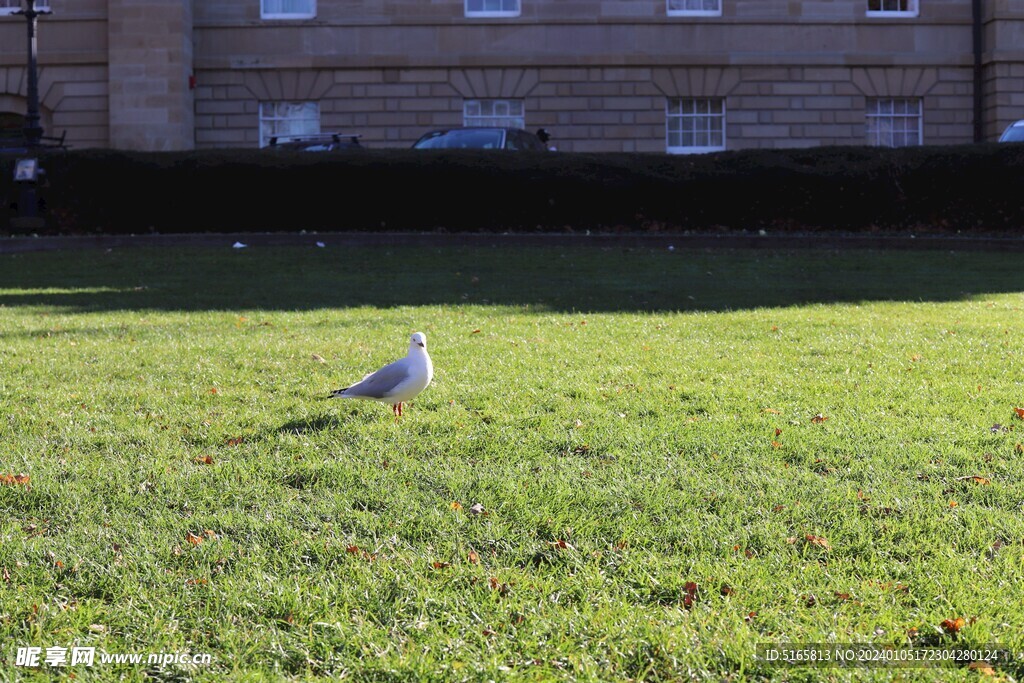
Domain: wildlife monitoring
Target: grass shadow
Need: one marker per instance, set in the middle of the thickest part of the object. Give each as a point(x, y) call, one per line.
point(542, 278)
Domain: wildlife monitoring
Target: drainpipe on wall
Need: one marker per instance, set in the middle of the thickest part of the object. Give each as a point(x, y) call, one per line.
point(979, 76)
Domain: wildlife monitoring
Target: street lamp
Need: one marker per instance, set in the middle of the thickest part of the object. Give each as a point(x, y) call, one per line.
point(28, 171)
point(33, 129)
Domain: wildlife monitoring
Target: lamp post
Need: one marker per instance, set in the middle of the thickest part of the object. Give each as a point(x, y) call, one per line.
point(33, 129)
point(27, 170)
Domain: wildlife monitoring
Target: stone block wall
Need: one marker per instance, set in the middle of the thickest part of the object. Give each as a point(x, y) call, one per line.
point(591, 108)
point(596, 73)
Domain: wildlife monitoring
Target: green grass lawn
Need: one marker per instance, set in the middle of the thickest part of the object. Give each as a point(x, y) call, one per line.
point(639, 427)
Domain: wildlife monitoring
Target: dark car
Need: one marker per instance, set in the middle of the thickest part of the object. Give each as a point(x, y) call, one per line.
point(484, 138)
point(318, 142)
point(1013, 133)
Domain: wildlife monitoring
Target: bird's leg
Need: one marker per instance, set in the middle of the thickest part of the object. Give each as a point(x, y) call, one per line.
point(399, 410)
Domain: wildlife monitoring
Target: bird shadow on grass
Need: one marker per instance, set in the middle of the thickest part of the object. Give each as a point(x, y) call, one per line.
point(543, 279)
point(313, 424)
point(327, 422)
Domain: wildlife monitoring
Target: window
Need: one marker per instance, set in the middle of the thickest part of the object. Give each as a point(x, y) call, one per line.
point(894, 122)
point(283, 119)
point(492, 8)
point(694, 8)
point(890, 8)
point(287, 9)
point(694, 125)
point(12, 6)
point(499, 113)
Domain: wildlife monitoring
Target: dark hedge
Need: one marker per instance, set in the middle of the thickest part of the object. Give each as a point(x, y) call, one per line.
point(851, 189)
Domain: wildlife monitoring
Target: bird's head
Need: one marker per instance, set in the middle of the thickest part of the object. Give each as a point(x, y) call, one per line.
point(419, 340)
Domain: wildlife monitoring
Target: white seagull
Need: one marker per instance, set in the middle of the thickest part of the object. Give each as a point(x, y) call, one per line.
point(398, 382)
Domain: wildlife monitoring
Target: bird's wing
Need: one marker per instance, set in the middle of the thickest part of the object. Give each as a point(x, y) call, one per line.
point(381, 383)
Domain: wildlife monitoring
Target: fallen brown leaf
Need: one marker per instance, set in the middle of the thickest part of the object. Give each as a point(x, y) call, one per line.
point(819, 418)
point(976, 479)
point(819, 541)
point(953, 625)
point(983, 668)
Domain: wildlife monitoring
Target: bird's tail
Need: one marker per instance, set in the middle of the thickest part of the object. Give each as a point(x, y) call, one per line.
point(338, 393)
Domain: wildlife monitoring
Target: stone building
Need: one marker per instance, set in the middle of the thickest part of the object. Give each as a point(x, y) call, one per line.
point(601, 75)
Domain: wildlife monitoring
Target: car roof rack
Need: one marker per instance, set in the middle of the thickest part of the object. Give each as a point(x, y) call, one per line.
point(313, 137)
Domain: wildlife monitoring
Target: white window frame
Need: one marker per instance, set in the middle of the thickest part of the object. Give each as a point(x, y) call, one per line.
point(483, 14)
point(268, 115)
point(12, 6)
point(473, 113)
point(877, 111)
point(264, 14)
point(714, 102)
point(677, 12)
point(913, 9)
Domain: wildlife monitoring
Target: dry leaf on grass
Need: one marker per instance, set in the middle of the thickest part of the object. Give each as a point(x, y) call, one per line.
point(953, 625)
point(819, 541)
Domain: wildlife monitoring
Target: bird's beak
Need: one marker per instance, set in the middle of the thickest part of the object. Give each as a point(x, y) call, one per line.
point(420, 344)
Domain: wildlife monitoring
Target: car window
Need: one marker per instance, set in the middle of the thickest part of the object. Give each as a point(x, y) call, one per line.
point(513, 140)
point(535, 145)
point(461, 139)
point(1014, 133)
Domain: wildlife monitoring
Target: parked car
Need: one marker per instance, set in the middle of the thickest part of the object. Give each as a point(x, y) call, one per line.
point(474, 137)
point(317, 142)
point(1014, 132)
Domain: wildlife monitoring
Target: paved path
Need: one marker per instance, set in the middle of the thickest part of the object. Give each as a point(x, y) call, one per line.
point(11, 245)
